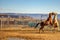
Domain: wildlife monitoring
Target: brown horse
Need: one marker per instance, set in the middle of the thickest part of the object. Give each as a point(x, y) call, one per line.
point(46, 22)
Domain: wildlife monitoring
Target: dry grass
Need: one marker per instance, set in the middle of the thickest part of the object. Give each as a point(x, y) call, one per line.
point(27, 33)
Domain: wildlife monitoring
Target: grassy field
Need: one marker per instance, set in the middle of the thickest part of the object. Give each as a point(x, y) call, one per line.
point(27, 33)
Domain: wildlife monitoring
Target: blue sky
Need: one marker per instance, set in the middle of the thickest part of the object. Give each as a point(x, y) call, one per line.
point(29, 6)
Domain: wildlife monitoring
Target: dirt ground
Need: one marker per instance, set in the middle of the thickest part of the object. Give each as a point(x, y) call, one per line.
point(14, 33)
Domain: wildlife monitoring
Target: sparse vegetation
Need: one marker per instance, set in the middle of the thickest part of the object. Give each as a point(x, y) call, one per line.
point(24, 29)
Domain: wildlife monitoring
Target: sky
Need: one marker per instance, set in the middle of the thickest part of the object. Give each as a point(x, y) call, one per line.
point(29, 6)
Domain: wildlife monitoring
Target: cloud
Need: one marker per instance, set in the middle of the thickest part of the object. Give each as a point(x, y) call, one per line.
point(9, 10)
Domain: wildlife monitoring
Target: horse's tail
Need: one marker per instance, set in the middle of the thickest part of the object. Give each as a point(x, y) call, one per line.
point(37, 25)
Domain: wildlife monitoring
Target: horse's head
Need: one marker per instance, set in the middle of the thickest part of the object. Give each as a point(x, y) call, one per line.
point(50, 14)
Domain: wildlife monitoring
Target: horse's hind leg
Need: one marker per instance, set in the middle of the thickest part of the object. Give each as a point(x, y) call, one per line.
point(41, 29)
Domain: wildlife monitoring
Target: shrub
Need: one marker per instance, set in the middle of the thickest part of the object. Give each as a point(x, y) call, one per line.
point(31, 24)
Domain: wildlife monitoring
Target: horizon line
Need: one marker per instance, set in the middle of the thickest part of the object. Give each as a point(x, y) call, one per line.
point(29, 12)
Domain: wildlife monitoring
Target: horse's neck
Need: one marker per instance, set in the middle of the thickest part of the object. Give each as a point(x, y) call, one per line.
point(49, 18)
point(55, 18)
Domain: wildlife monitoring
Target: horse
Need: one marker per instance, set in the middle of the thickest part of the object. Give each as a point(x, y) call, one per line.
point(49, 21)
point(55, 21)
